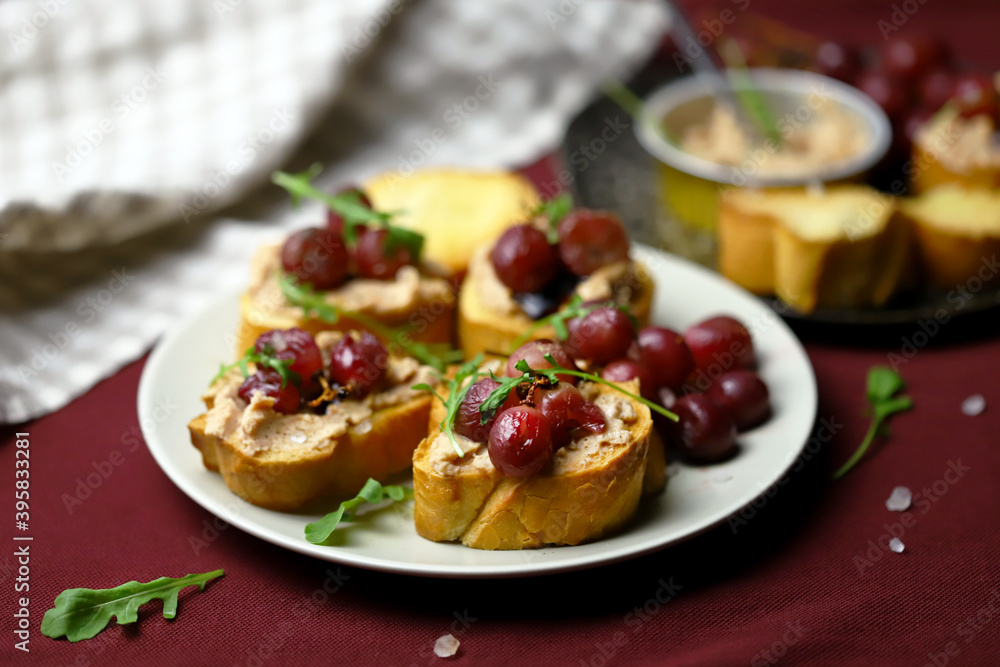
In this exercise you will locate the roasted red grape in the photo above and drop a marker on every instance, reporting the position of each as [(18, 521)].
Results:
[(316, 256), (719, 344), (887, 91), (294, 344), (837, 61), (705, 432), (372, 258), (567, 409), (358, 363), (334, 221), (743, 395), (936, 87), (520, 442), (267, 381), (589, 240), (523, 259), (467, 421), (623, 370), (534, 352), (974, 94), (665, 353), (602, 336), (907, 57)]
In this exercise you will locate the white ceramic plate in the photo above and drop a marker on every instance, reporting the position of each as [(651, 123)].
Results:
[(696, 498)]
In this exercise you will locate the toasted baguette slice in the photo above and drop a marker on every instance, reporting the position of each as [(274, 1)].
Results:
[(284, 462), (423, 305), (952, 149), (482, 327), (592, 488), (958, 233), (456, 211), (845, 247)]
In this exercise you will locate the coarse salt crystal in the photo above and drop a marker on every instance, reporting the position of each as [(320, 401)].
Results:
[(363, 427), (446, 646), (896, 545), (899, 500), (974, 405), (297, 437)]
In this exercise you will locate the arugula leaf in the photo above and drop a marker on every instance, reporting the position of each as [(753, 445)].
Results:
[(488, 407), (81, 613), (350, 207), (883, 384), (283, 366), (318, 532), (457, 389), (554, 210), (574, 308), (436, 355)]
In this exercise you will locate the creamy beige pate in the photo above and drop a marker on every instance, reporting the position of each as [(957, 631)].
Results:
[(256, 426), (375, 297)]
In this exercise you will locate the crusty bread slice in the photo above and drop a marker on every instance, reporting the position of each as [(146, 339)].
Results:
[(844, 247), (482, 328), (285, 461), (456, 211), (592, 488), (952, 149), (957, 231)]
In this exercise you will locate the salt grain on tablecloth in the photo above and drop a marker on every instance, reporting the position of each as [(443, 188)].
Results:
[(446, 646), (896, 545), (974, 405), (899, 500)]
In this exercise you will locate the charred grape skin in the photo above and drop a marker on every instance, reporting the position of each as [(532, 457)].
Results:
[(666, 354), (358, 363), (566, 409), (974, 95), (589, 240), (523, 259), (468, 420), (520, 443), (335, 221), (623, 370), (602, 335), (719, 344), (371, 258), (316, 256), (267, 381), (744, 396), (534, 352), (294, 344), (705, 432)]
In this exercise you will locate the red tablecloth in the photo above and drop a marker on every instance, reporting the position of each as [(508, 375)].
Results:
[(807, 579)]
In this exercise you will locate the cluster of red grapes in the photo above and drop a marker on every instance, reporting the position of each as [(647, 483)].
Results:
[(321, 257), (528, 428), (911, 77), (526, 262), (357, 364)]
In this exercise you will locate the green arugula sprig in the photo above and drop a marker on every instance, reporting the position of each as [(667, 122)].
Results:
[(81, 613), (318, 532), (312, 303), (883, 384), (499, 395), (554, 210), (350, 207), (283, 366), (457, 389), (574, 308)]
